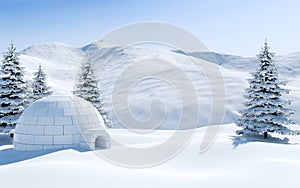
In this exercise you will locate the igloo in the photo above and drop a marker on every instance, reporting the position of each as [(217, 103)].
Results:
[(60, 122)]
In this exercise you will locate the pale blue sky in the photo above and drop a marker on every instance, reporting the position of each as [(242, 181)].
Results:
[(230, 26)]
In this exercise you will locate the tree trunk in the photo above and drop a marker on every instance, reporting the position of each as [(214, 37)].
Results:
[(265, 135)]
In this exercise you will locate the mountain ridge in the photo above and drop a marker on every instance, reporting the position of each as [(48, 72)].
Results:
[(62, 63)]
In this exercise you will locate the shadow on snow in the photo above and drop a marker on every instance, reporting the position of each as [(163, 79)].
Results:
[(240, 140), (10, 155)]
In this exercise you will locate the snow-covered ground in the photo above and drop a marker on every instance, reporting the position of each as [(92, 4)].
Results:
[(61, 63), (228, 163)]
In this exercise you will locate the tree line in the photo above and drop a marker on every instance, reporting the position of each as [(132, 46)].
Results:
[(16, 94), (265, 109)]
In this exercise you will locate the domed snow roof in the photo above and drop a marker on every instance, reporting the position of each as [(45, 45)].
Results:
[(57, 122)]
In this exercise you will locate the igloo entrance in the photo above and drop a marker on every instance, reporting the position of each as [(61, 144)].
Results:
[(101, 142)]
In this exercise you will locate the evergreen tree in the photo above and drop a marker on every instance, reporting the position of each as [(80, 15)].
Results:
[(29, 93), (12, 89), (88, 90), (265, 110), (39, 85)]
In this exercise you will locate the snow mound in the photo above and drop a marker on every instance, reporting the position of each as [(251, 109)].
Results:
[(223, 165)]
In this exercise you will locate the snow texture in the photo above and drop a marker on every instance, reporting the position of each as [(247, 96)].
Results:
[(62, 63), (223, 165)]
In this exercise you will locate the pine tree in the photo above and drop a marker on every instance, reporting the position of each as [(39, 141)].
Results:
[(29, 93), (88, 90), (39, 85), (12, 89), (265, 110)]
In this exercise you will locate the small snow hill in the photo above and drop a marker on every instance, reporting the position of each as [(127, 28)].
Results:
[(255, 164)]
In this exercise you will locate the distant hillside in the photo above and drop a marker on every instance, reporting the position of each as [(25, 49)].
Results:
[(61, 63)]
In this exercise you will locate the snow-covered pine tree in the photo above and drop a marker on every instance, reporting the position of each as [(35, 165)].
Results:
[(29, 93), (39, 85), (12, 89), (87, 88), (265, 110)]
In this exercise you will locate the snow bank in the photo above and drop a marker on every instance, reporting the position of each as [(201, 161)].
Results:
[(223, 165)]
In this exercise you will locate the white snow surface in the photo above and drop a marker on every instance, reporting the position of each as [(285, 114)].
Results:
[(61, 64), (230, 162), (255, 164)]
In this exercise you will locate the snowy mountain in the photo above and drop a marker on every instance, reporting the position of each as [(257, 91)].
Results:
[(61, 64), (59, 61), (231, 160)]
